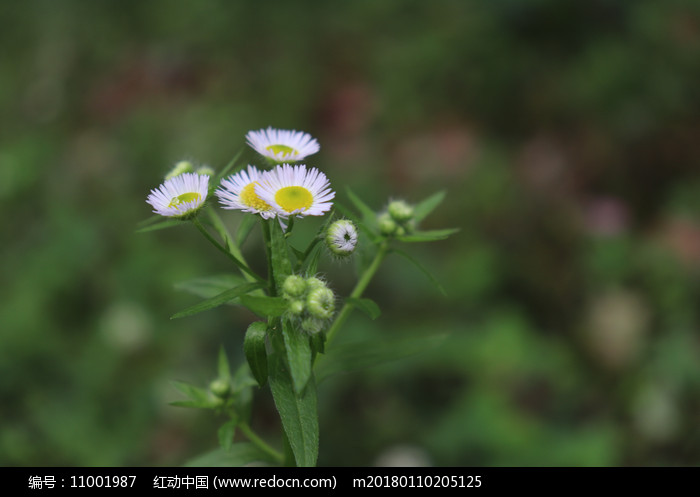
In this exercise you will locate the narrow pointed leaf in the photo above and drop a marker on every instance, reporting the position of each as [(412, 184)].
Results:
[(418, 265), (265, 307), (197, 397), (296, 343), (298, 413), (218, 300), (255, 351), (422, 209), (367, 306), (428, 236), (364, 209), (223, 366), (168, 223), (226, 433), (210, 286)]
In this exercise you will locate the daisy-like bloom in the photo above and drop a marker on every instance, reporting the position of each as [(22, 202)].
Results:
[(180, 196), (281, 145), (341, 238), (238, 191), (294, 190)]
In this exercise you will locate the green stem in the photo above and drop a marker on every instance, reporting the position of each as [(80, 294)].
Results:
[(223, 249), (260, 443), (268, 253), (360, 287)]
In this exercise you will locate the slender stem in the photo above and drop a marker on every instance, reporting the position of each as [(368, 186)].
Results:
[(230, 245), (221, 248), (358, 290), (268, 253), (260, 443)]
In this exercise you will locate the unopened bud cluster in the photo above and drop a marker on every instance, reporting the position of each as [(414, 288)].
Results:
[(397, 220), (310, 301), (185, 166)]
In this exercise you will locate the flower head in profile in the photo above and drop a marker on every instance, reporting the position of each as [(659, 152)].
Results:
[(295, 190), (238, 191), (180, 196), (281, 145)]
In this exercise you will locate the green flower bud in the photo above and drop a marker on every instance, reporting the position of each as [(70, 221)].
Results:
[(341, 238), (296, 307), (314, 283), (312, 326), (205, 170), (294, 287), (400, 211), (387, 226), (321, 303), (181, 167), (220, 388)]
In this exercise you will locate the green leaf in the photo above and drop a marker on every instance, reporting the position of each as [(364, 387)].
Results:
[(367, 306), (242, 385), (226, 433), (168, 223), (318, 344), (255, 352), (311, 264), (247, 224), (296, 343), (228, 167), (265, 307), (427, 206), (362, 355), (210, 286), (198, 397), (428, 236), (220, 299), (239, 454), (223, 366), (298, 412), (413, 261), (281, 266), (367, 213)]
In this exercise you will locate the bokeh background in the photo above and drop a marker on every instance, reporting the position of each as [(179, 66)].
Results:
[(567, 136)]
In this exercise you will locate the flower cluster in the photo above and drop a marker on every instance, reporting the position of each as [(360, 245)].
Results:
[(287, 190)]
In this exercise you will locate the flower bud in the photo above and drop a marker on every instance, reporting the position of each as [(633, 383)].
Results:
[(341, 238), (387, 226), (400, 211), (296, 307), (183, 166), (314, 283), (294, 286), (220, 387), (205, 170), (321, 303)]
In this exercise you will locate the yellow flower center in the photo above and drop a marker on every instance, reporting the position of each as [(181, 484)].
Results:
[(283, 149), (250, 198), (184, 198), (291, 198)]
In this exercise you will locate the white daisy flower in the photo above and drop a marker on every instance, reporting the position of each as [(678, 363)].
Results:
[(341, 238), (294, 190), (281, 145), (238, 192), (180, 196)]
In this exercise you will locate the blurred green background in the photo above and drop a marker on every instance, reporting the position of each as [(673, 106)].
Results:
[(567, 135)]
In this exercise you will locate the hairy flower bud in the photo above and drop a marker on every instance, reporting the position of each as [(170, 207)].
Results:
[(321, 303), (314, 283), (183, 166), (387, 226), (400, 211), (296, 307), (312, 325), (294, 287), (220, 387), (341, 238)]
